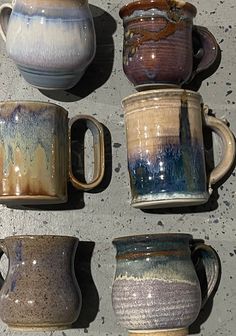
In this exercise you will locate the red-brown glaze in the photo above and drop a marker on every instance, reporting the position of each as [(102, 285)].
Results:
[(158, 51)]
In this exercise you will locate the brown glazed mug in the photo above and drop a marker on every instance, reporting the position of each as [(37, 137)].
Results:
[(35, 152), (158, 43), (40, 291)]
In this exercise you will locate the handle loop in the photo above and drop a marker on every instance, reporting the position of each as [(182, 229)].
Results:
[(99, 153), (229, 149), (208, 51), (5, 12), (207, 268)]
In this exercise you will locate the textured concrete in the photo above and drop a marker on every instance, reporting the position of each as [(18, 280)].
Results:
[(108, 214)]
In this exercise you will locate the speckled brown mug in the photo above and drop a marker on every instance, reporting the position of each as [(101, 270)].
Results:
[(158, 43), (35, 152), (40, 291)]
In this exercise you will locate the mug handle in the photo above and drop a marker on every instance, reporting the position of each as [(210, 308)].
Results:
[(208, 264), (208, 52), (222, 130), (99, 153), (5, 12), (3, 249)]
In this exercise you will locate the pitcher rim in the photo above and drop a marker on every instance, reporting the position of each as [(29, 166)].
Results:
[(152, 236), (39, 236), (129, 8)]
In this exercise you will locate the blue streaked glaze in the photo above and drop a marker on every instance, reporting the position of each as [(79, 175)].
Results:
[(26, 128), (51, 43), (55, 13), (173, 168)]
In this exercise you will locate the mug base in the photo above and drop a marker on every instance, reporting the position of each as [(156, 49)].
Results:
[(158, 86), (50, 80), (154, 203), (167, 332), (33, 328), (31, 200)]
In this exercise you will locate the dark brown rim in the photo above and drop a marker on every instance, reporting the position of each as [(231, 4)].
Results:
[(129, 8), (153, 236)]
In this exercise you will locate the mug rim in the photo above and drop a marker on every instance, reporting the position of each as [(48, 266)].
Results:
[(32, 102), (148, 236), (160, 93), (129, 8)]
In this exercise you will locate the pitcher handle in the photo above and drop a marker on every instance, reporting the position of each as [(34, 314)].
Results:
[(211, 264), (99, 153), (5, 12), (3, 249), (229, 149), (209, 50)]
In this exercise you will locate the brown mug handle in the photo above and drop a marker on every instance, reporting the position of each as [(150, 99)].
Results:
[(219, 126), (5, 12), (99, 153), (208, 52), (210, 261)]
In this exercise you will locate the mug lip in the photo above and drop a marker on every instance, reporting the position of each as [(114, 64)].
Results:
[(160, 93), (33, 102), (161, 236), (129, 8), (38, 236)]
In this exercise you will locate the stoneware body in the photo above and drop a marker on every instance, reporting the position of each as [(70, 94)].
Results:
[(156, 289), (35, 153), (158, 46), (40, 290), (166, 159), (51, 42)]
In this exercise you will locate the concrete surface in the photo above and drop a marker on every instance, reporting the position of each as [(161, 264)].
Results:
[(108, 214)]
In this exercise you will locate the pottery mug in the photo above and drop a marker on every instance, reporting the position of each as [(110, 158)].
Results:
[(35, 152), (40, 291), (158, 43), (166, 159), (51, 42), (156, 290)]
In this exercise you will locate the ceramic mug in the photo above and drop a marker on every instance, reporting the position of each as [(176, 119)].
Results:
[(40, 291), (35, 152), (158, 43), (51, 42), (156, 290), (166, 159)]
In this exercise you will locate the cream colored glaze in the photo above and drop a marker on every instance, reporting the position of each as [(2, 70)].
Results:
[(153, 119)]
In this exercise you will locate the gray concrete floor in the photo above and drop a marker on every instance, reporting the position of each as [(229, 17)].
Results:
[(108, 214)]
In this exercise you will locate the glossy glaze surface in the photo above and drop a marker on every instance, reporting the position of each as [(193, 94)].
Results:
[(33, 152), (40, 290), (155, 286), (52, 43), (166, 159), (165, 146), (157, 42)]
